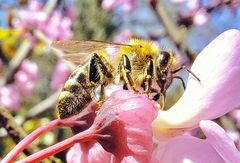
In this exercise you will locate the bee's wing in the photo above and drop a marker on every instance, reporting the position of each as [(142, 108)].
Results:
[(76, 58), (80, 50), (73, 46)]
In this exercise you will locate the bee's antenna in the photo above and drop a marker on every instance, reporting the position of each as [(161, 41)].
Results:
[(183, 84), (185, 68)]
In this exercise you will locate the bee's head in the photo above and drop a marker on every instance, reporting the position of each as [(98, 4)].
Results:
[(164, 60)]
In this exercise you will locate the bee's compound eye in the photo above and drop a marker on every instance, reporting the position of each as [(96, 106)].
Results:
[(164, 58)]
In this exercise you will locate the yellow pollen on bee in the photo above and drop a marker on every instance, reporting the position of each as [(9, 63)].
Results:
[(64, 94)]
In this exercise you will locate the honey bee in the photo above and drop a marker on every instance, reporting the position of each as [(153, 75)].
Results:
[(138, 63)]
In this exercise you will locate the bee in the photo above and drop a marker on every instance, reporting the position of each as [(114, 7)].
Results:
[(138, 63)]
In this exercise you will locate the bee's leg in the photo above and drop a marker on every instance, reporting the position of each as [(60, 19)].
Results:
[(94, 71), (147, 83), (125, 87), (125, 71), (183, 84), (185, 68), (98, 74), (98, 69), (163, 99), (105, 67), (157, 97), (99, 94)]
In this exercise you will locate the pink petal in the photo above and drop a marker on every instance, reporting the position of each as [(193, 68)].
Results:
[(221, 142), (177, 1), (88, 152), (201, 17), (109, 4), (9, 97), (23, 83), (128, 118), (26, 77), (185, 149), (129, 5), (235, 116), (192, 5), (218, 67), (125, 118), (60, 75), (123, 36), (34, 5), (30, 68)]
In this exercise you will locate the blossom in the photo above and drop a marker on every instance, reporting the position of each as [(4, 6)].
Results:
[(123, 36), (201, 17), (59, 75), (202, 100), (128, 119), (37, 19), (26, 77), (218, 68), (235, 116), (87, 152), (24, 81), (217, 147), (128, 5), (59, 26), (122, 129), (10, 97), (192, 5), (177, 1), (55, 26)]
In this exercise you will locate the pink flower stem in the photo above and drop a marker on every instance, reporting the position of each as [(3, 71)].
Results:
[(38, 132), (84, 136)]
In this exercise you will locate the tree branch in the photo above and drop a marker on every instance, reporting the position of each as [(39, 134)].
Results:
[(176, 34), (14, 131)]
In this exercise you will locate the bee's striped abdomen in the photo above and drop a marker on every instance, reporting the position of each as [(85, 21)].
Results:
[(75, 95)]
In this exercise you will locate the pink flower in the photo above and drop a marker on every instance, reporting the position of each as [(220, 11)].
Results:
[(218, 147), (124, 129), (37, 17), (192, 5), (200, 17), (9, 97), (218, 67), (34, 5), (59, 27), (233, 134), (127, 118), (24, 82), (88, 152), (26, 77), (56, 26), (30, 68), (177, 1), (235, 116), (202, 100), (109, 5), (123, 36), (220, 141), (128, 5), (59, 75)]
